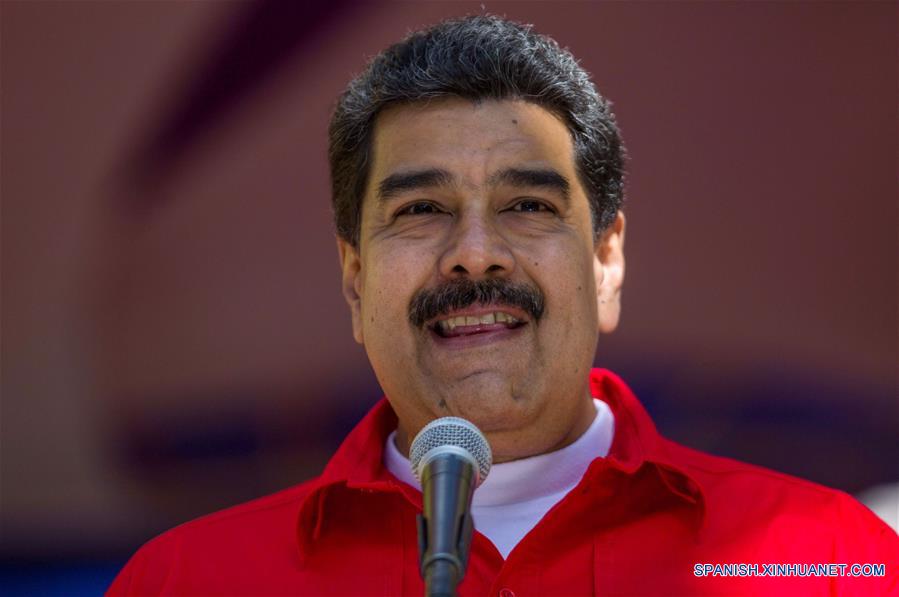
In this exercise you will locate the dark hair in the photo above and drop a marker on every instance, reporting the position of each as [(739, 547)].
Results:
[(476, 58)]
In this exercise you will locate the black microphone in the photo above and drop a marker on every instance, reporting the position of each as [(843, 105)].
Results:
[(451, 458)]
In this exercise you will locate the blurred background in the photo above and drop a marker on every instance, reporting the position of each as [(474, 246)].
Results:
[(174, 339)]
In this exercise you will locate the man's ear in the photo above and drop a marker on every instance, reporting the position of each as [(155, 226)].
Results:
[(608, 268), (351, 284)]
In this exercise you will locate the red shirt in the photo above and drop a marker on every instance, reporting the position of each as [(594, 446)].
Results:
[(647, 519)]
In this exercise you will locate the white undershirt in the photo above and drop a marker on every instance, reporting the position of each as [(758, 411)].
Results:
[(517, 494)]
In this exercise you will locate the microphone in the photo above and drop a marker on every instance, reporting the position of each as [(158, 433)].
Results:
[(451, 458)]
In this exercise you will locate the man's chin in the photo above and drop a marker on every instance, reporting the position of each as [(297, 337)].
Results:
[(488, 401)]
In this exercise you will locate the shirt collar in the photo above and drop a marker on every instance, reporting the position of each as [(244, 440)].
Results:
[(357, 464), (637, 442), (531, 478)]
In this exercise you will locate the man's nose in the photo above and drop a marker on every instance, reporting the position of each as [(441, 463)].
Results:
[(476, 249)]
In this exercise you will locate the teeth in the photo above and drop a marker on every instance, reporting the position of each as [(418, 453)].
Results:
[(487, 319)]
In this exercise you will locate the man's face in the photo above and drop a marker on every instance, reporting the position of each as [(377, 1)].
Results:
[(486, 196)]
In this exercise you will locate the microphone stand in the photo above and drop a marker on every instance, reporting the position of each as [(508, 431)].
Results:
[(445, 526)]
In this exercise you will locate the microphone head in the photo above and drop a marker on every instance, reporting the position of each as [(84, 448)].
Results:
[(451, 434)]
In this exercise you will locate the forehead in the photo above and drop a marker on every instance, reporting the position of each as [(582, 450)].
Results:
[(469, 139)]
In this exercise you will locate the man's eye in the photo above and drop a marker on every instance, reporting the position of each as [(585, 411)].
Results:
[(418, 209), (532, 206)]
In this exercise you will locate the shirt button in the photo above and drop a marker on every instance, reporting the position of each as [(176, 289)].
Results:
[(506, 593)]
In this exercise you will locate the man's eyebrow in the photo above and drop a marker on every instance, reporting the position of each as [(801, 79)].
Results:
[(416, 179), (532, 177)]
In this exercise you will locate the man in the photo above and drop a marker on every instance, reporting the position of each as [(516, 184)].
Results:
[(477, 193)]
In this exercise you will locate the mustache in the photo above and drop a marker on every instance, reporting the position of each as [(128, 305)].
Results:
[(429, 303)]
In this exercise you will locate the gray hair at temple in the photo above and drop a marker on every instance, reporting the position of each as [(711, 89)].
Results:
[(476, 58)]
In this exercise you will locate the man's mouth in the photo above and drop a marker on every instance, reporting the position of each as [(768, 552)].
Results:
[(454, 326)]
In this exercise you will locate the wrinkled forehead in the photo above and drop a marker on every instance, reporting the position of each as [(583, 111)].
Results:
[(471, 140)]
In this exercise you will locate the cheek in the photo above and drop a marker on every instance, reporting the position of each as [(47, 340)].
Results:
[(580, 315), (583, 296), (376, 313), (390, 281), (567, 276)]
